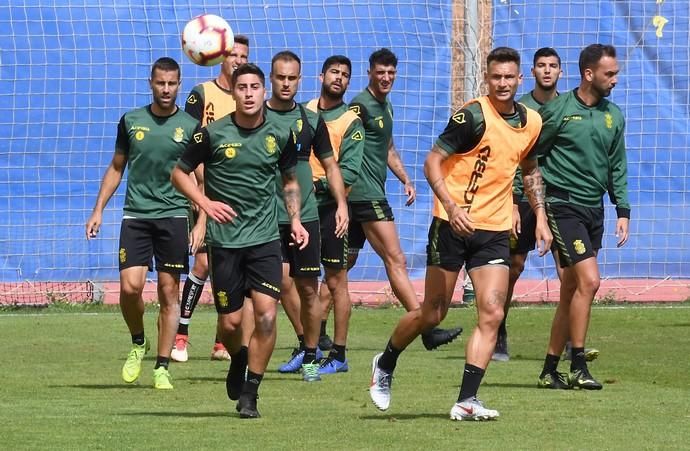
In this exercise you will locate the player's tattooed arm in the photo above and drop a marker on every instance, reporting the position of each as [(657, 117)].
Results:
[(396, 165), (533, 183), (291, 194)]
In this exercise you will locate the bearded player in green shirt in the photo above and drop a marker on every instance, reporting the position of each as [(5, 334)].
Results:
[(582, 156), (155, 223), (242, 153)]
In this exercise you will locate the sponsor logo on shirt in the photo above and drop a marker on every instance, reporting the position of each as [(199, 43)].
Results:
[(191, 99), (357, 136), (477, 174)]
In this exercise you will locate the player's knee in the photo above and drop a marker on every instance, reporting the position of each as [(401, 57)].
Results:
[(265, 322), (129, 288), (395, 258), (516, 269), (230, 324), (589, 285)]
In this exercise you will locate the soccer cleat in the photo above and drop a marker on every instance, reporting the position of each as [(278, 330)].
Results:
[(246, 406), (380, 388), (332, 366), (132, 367), (219, 352), (472, 409), (294, 365), (325, 343), (501, 350), (310, 372), (436, 337), (555, 380), (468, 297), (161, 379), (235, 380), (179, 350), (580, 378), (590, 353)]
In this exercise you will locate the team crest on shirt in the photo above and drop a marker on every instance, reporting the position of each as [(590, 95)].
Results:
[(299, 125), (123, 255), (178, 136), (271, 144), (579, 247), (222, 297), (139, 135), (379, 119), (191, 99), (608, 120)]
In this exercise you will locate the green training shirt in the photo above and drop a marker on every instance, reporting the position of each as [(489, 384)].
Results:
[(152, 145), (349, 154), (312, 135), (518, 188), (240, 170), (377, 118), (582, 153)]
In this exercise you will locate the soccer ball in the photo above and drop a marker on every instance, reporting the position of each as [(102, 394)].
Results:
[(207, 40)]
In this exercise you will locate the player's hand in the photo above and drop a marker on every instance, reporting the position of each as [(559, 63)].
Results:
[(342, 220), (219, 212), (622, 231), (410, 193), (460, 221), (300, 236), (517, 222), (93, 225), (544, 237), (196, 236)]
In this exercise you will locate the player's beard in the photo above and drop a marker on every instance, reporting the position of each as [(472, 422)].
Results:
[(336, 97)]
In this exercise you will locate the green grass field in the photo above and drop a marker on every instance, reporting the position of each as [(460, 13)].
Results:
[(61, 389)]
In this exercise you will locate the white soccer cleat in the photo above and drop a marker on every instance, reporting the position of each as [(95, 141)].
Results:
[(179, 351), (472, 409), (380, 388)]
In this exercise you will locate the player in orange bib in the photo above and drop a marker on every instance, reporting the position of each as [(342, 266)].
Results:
[(471, 169)]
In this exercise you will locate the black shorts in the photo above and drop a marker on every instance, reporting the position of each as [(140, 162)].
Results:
[(166, 239), (577, 231), (333, 249), (450, 251), (526, 241), (234, 272), (366, 211), (305, 262)]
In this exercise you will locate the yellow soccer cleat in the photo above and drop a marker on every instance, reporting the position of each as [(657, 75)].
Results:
[(161, 379), (132, 367)]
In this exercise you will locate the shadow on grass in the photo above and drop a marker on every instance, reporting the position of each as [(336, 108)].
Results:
[(517, 358), (103, 386), (510, 385), (183, 415), (403, 416)]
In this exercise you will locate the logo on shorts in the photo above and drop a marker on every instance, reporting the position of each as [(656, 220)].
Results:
[(496, 261), (608, 119), (179, 135), (123, 255), (222, 297), (271, 144), (270, 287), (579, 247), (513, 242)]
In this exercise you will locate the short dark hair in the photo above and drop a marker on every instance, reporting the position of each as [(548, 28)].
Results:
[(241, 39), (384, 57), (286, 55), (592, 54), (503, 55), (248, 68), (165, 64), (336, 59), (545, 52)]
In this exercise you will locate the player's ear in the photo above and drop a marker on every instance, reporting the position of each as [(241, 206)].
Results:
[(321, 77), (520, 78)]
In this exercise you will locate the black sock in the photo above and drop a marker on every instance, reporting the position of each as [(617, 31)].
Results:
[(471, 378), (139, 339), (550, 364), (240, 358), (309, 355), (323, 328), (251, 385), (578, 359), (162, 362), (502, 331), (218, 340), (300, 339), (337, 353), (389, 358), (183, 329), (191, 293)]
